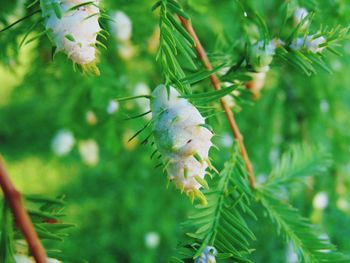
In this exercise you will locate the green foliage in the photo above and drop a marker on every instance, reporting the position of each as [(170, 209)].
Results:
[(221, 224), (174, 42), (309, 243), (294, 166), (6, 234), (46, 215), (307, 240), (119, 202), (306, 60)]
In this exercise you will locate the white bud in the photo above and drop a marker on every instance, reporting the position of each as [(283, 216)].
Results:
[(121, 26), (181, 138), (291, 255), (299, 14), (76, 31), (152, 240), (89, 152), (63, 142), (320, 201), (226, 140), (208, 255), (112, 106), (324, 106), (309, 43), (257, 83), (313, 44), (262, 54), (261, 178)]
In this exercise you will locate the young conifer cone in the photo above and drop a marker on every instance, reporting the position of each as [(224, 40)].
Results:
[(262, 55), (181, 139), (73, 27)]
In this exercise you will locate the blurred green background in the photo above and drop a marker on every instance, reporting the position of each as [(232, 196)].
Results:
[(121, 207)]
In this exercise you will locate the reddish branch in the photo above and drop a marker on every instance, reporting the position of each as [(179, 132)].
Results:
[(22, 219), (216, 84)]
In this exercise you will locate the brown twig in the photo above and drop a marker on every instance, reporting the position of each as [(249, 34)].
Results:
[(22, 219), (216, 84)]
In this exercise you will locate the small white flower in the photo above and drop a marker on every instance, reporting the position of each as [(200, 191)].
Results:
[(262, 55), (313, 44), (113, 106), (320, 201), (257, 83), (324, 106), (226, 140), (89, 152), (299, 14), (121, 26), (208, 255), (152, 240), (309, 43), (63, 142), (261, 178), (291, 256), (298, 43)]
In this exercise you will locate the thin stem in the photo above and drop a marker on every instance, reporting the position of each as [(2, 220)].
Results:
[(216, 84), (134, 97), (22, 219), (20, 20)]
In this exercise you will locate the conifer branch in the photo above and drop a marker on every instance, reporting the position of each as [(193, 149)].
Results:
[(222, 223), (216, 84), (22, 219)]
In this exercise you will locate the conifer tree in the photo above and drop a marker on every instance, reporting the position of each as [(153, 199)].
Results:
[(241, 105)]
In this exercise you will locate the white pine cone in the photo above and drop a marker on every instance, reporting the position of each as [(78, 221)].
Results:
[(181, 138), (75, 32)]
